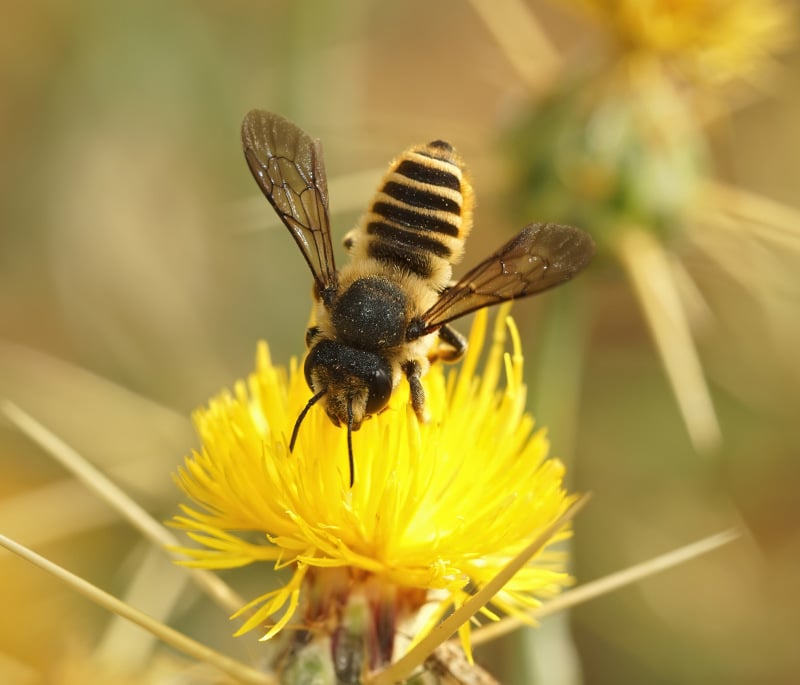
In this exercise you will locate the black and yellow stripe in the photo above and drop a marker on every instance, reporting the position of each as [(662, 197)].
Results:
[(421, 214)]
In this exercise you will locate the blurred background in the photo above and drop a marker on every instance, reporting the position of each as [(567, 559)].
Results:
[(139, 265)]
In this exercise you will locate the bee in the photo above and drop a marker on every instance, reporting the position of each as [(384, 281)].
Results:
[(386, 314)]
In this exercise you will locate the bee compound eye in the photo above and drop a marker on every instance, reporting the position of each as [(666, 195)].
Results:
[(310, 363), (380, 389), (322, 361)]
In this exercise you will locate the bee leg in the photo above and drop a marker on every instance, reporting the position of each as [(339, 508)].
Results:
[(457, 345), (412, 370)]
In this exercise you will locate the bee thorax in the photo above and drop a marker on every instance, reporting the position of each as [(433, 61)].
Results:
[(371, 314)]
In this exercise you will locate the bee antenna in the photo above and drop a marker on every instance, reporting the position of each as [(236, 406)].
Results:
[(350, 439), (316, 398)]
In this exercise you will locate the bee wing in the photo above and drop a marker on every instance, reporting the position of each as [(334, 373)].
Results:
[(540, 257), (287, 165)]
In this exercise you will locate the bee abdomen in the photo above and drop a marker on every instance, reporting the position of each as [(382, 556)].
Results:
[(419, 197), (421, 213)]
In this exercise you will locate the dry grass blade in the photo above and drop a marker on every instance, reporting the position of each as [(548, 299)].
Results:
[(698, 310), (156, 588), (170, 636), (522, 40), (416, 656), (77, 513), (136, 515), (755, 241), (648, 267), (607, 584), (45, 385), (766, 218)]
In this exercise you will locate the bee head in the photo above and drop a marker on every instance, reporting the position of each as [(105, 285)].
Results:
[(356, 383)]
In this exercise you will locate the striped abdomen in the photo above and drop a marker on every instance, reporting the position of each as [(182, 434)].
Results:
[(420, 216)]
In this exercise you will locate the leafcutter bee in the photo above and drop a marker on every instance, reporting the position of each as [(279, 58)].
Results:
[(386, 313)]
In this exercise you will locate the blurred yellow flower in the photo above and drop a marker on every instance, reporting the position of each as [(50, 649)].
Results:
[(435, 512), (620, 148), (708, 40)]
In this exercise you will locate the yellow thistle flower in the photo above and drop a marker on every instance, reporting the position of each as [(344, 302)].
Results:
[(435, 512), (709, 40)]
